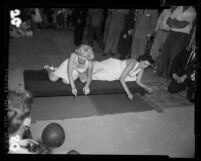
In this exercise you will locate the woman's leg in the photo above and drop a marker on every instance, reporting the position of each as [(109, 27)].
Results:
[(51, 74)]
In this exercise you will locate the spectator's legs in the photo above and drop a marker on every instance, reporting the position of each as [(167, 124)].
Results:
[(179, 43), (175, 87), (97, 31), (163, 59)]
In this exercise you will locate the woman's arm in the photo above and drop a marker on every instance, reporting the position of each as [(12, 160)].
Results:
[(139, 82), (89, 74), (128, 68), (70, 70)]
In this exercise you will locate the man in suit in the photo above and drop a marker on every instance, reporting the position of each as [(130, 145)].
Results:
[(144, 27), (161, 32), (125, 39), (94, 27), (183, 72), (79, 22), (113, 30)]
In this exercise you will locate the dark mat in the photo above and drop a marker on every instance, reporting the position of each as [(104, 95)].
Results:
[(63, 107), (59, 108), (37, 82), (118, 103)]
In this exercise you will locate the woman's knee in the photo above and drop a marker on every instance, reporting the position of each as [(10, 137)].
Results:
[(53, 78), (65, 81)]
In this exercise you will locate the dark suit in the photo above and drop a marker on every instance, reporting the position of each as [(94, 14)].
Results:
[(145, 24), (94, 26), (183, 65), (124, 45), (79, 16)]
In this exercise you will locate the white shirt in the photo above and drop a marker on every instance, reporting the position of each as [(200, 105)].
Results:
[(161, 23), (188, 15)]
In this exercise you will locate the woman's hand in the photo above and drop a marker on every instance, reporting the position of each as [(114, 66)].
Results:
[(130, 96), (74, 91), (149, 90), (86, 90)]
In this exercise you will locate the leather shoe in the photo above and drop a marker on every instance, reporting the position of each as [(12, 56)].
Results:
[(121, 58), (105, 54)]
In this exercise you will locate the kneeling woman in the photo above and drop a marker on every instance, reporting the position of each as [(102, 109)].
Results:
[(124, 70), (79, 65)]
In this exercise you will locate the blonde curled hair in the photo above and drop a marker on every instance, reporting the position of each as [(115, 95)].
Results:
[(85, 51)]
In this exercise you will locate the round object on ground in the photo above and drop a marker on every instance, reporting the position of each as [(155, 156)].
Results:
[(53, 135)]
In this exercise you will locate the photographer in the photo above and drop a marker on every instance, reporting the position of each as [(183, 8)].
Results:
[(19, 108)]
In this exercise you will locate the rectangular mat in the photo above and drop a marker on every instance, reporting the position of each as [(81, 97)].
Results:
[(62, 107), (59, 108), (118, 103)]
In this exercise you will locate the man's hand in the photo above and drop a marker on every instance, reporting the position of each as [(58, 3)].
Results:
[(181, 79), (124, 36), (130, 32), (193, 76), (175, 77), (25, 142)]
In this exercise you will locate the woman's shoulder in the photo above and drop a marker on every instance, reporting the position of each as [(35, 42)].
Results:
[(132, 61), (89, 63), (73, 55)]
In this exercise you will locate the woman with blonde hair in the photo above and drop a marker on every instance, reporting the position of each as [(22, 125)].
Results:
[(79, 65)]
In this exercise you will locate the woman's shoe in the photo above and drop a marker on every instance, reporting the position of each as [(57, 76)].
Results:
[(47, 67)]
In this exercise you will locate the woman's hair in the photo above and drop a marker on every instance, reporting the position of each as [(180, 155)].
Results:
[(146, 58), (19, 107), (85, 51)]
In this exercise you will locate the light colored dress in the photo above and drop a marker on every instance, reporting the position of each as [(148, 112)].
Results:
[(62, 73), (111, 69)]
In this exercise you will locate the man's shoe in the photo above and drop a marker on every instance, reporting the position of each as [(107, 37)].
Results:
[(105, 54), (113, 54), (122, 58), (192, 100)]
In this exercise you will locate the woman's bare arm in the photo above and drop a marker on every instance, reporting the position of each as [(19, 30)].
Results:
[(89, 74), (70, 70), (128, 68), (139, 82)]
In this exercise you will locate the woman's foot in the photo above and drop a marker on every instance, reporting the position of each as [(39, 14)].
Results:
[(48, 68)]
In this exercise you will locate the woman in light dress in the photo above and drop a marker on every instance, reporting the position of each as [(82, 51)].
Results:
[(123, 70)]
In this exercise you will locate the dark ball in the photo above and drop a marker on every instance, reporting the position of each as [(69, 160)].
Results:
[(53, 135)]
